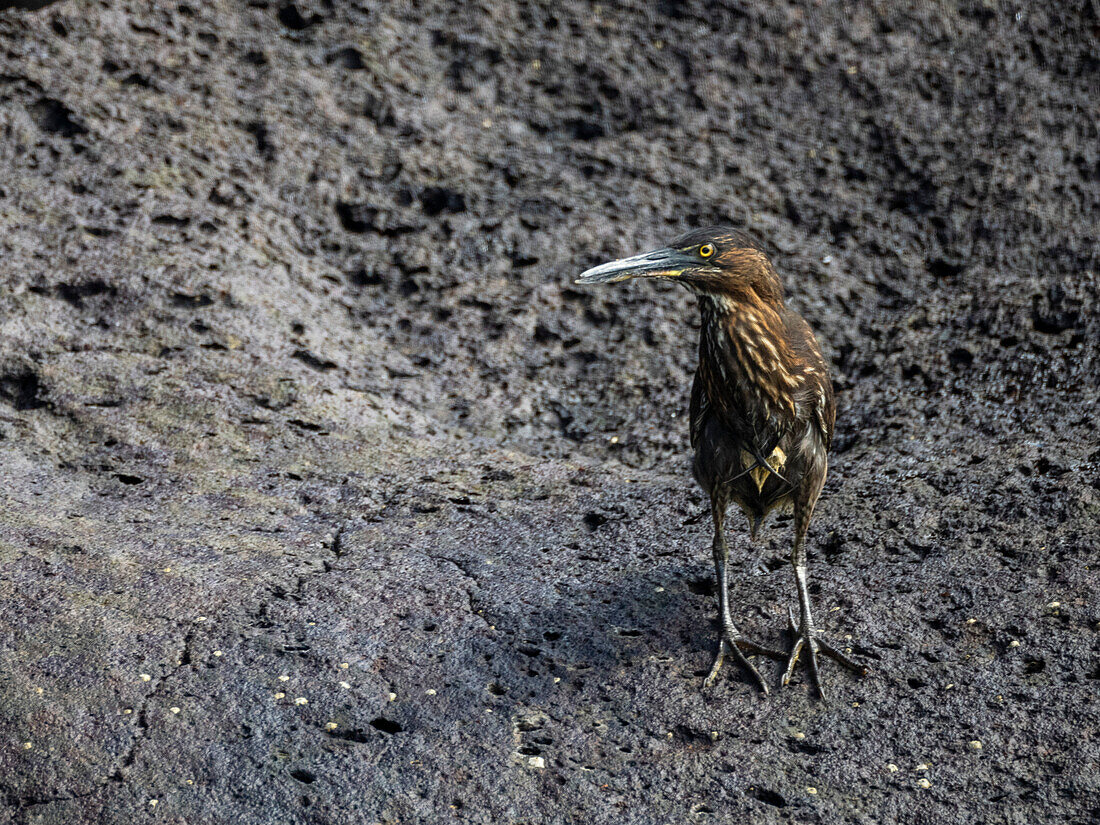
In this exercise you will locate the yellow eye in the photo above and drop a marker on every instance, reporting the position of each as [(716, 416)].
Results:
[(706, 250)]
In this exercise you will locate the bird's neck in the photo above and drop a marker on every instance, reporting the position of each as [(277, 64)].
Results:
[(743, 348)]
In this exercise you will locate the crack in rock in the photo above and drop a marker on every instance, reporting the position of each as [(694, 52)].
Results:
[(184, 659), (466, 574)]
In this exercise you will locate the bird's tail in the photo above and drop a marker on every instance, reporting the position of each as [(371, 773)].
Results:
[(754, 526)]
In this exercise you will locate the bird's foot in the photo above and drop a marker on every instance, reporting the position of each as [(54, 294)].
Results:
[(803, 638), (740, 647)]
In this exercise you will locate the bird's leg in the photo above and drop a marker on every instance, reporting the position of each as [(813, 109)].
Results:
[(731, 640), (803, 633)]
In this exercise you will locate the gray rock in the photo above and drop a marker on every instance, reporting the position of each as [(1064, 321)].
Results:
[(327, 497)]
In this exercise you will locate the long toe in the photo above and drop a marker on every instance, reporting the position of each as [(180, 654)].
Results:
[(807, 643), (751, 648), (815, 673), (738, 646), (751, 668), (842, 658), (721, 657)]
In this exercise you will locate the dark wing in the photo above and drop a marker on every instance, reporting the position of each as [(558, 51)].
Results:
[(825, 409), (818, 392), (699, 410)]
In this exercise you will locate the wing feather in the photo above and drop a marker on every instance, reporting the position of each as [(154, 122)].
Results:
[(699, 410)]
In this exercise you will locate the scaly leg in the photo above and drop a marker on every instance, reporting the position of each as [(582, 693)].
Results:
[(803, 634), (731, 640)]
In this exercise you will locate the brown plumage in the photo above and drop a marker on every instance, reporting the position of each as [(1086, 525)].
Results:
[(762, 411)]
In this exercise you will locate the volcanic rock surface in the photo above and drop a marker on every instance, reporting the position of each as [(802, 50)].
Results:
[(326, 496)]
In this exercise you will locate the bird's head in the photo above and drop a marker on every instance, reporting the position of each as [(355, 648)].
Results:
[(714, 261)]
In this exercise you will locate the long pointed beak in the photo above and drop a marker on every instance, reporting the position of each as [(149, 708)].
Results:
[(661, 263)]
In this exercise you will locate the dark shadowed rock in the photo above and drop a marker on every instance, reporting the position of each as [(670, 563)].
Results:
[(26, 5)]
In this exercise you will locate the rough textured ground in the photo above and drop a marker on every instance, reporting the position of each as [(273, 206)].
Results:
[(326, 497)]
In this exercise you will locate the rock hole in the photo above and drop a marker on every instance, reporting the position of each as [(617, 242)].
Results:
[(292, 18), (832, 546), (593, 521), (303, 776), (137, 79), (701, 586), (361, 277), (54, 117), (182, 299), (437, 199), (262, 136), (585, 130), (355, 217), (776, 563), (22, 390), (76, 293), (806, 747), (961, 357), (386, 725), (312, 361), (1033, 665), (768, 797), (171, 220), (354, 735), (347, 58), (943, 269)]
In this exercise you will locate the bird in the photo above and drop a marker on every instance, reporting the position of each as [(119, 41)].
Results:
[(762, 416)]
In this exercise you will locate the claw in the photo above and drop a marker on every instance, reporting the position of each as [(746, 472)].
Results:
[(804, 638), (739, 646), (721, 657), (792, 661)]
